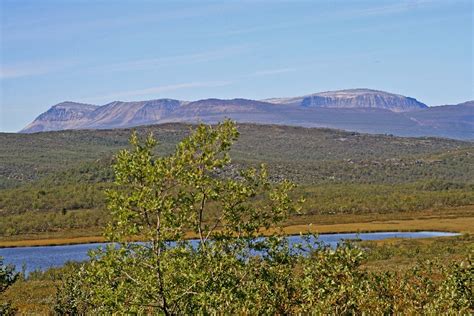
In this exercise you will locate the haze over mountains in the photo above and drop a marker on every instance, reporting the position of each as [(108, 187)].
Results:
[(361, 110)]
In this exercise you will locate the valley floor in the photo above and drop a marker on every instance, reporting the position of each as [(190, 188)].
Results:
[(37, 294), (52, 184), (458, 219)]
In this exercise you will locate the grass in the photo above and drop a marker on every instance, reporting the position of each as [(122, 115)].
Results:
[(459, 219), (53, 183), (32, 297), (36, 295), (461, 224), (51, 190), (52, 241), (324, 203), (400, 254)]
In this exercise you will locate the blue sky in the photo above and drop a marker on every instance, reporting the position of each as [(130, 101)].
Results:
[(100, 51)]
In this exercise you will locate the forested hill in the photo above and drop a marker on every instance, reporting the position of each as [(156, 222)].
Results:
[(54, 182), (304, 154)]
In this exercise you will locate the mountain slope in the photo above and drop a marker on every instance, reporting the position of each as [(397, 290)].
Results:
[(454, 121), (124, 114), (355, 98), (65, 115), (360, 110)]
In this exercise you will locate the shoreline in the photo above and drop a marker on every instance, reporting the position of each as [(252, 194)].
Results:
[(456, 225)]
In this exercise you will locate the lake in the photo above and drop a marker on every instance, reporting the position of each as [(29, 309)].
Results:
[(54, 256)]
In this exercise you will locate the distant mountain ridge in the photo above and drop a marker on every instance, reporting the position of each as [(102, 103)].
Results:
[(361, 110), (355, 98)]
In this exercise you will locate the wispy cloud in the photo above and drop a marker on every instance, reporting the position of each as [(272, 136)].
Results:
[(185, 59), (269, 72), (27, 69), (36, 68), (69, 22), (258, 28), (383, 8), (393, 8), (157, 90)]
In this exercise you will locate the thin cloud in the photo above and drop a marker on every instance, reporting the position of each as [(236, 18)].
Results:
[(69, 23), (27, 69), (257, 28), (393, 8), (270, 72), (384, 9), (173, 60), (159, 89)]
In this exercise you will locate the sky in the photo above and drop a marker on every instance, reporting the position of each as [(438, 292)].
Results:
[(100, 51)]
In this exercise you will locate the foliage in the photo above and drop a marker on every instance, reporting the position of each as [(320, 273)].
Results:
[(7, 278), (231, 267), (326, 282), (394, 258), (162, 198), (68, 208), (35, 293), (395, 254), (47, 222), (307, 155), (56, 179)]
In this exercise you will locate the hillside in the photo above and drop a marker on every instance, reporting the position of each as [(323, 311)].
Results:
[(54, 182), (361, 110), (26, 157)]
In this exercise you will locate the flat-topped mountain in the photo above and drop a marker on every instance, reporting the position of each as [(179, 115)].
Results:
[(65, 115), (355, 98), (361, 110), (72, 115)]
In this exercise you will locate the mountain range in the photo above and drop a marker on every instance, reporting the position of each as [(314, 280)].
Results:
[(361, 110)]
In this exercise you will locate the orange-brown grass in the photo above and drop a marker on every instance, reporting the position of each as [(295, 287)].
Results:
[(31, 297), (51, 241), (345, 218), (399, 254), (461, 224), (313, 224)]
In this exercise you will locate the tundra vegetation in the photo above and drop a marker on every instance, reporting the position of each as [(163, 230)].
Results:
[(8, 276), (231, 267), (52, 184), (161, 196)]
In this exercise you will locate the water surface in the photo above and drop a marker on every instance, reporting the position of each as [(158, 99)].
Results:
[(42, 258)]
